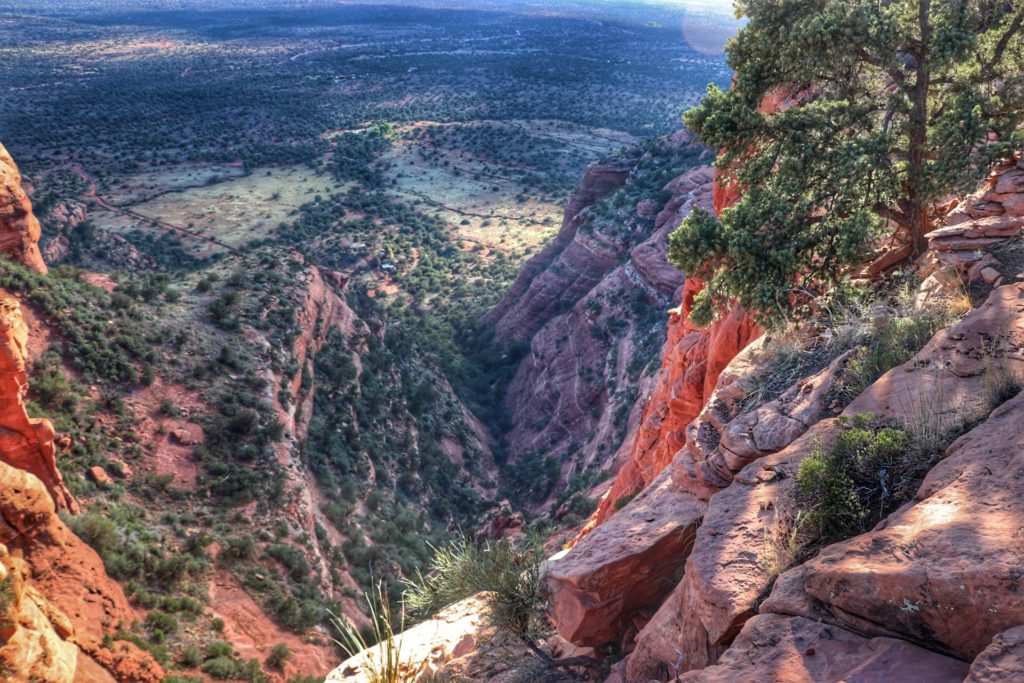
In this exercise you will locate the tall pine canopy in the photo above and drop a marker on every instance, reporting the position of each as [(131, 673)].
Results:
[(900, 104)]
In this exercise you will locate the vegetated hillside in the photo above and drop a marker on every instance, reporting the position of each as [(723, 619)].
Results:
[(247, 450), (259, 339)]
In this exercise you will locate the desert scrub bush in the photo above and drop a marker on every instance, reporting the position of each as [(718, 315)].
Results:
[(279, 654), (873, 465)]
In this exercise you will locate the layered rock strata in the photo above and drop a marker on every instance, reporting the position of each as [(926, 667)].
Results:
[(19, 227), (729, 573), (584, 306), (26, 443)]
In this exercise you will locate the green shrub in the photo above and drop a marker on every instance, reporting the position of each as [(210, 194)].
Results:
[(507, 573), (162, 621), (223, 668), (219, 648), (97, 531), (191, 657), (624, 501), (278, 655), (873, 465)]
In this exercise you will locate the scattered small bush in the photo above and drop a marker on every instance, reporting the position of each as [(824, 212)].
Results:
[(508, 574), (279, 654)]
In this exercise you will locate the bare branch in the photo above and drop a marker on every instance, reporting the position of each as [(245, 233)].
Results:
[(1004, 42)]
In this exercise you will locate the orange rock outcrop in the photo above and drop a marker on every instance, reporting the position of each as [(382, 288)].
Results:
[(26, 443), (32, 632), (691, 363), (19, 228), (65, 581), (949, 533), (63, 602)]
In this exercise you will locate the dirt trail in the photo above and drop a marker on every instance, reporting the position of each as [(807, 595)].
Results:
[(103, 203)]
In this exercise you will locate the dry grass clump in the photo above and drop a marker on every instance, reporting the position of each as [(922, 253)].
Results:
[(785, 539), (787, 357), (1003, 380), (383, 661)]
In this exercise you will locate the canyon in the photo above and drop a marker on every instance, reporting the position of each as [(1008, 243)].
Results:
[(675, 568), (253, 386), (670, 567)]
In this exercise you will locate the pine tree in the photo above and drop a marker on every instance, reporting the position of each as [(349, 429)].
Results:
[(900, 104)]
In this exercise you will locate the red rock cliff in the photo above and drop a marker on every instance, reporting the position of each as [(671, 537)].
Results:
[(691, 363), (25, 442), (65, 600), (590, 304), (19, 228)]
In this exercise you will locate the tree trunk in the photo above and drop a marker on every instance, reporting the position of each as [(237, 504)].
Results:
[(917, 191)]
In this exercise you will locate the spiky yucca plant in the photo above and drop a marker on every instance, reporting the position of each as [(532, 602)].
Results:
[(383, 661)]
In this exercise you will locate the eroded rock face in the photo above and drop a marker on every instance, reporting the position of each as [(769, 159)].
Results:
[(1002, 660), (583, 305), (26, 443), (536, 294), (34, 636), (773, 648), (593, 602), (945, 572), (692, 361), (19, 228), (728, 572), (70, 576), (691, 364)]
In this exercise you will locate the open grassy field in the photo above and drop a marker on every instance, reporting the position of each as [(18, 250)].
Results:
[(134, 188), (232, 211), (500, 185)]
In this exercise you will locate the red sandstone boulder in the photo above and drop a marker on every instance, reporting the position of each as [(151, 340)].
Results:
[(727, 572), (947, 379), (69, 575), (947, 571), (453, 633), (35, 637), (1002, 660), (626, 565), (777, 649), (100, 476)]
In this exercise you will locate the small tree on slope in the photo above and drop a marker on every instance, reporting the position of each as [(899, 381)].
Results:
[(902, 102)]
